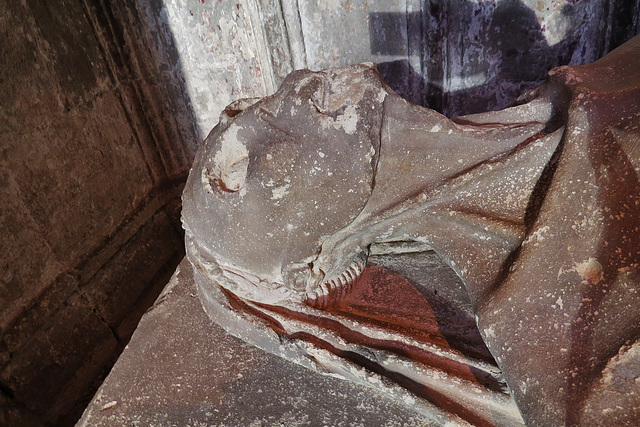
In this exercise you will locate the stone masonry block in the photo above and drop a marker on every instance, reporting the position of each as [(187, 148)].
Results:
[(115, 289), (47, 374)]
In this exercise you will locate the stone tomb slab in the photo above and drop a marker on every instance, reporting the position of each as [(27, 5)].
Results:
[(182, 369)]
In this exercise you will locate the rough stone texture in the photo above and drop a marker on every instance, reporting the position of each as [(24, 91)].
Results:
[(535, 207), (224, 53), (96, 137), (136, 264), (456, 56), (180, 368), (96, 130), (72, 350), (463, 56), (570, 298)]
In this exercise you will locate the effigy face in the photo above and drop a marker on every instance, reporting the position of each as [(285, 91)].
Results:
[(536, 208), (285, 173)]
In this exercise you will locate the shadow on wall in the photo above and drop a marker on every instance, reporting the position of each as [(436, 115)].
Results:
[(467, 57)]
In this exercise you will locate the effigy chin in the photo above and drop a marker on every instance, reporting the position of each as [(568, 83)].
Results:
[(483, 270)]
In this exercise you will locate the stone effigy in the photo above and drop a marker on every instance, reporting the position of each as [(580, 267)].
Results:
[(536, 208)]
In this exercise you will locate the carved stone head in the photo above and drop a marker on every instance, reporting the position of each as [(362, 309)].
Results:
[(277, 177)]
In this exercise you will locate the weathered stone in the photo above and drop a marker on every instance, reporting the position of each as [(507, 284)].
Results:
[(61, 359), (536, 208), (13, 415), (455, 56), (180, 368), (114, 291), (301, 162), (35, 318), (96, 137), (95, 116)]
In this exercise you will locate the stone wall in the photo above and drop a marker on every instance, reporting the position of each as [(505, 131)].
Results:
[(463, 56), (96, 139), (456, 56)]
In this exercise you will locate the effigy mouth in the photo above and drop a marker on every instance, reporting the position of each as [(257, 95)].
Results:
[(334, 290)]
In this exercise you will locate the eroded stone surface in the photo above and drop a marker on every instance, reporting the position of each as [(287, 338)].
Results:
[(182, 369), (96, 139), (536, 208)]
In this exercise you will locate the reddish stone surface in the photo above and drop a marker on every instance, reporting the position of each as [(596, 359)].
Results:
[(383, 296)]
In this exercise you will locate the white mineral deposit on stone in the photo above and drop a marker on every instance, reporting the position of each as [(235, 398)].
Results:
[(590, 270), (280, 192), (109, 405), (231, 160)]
